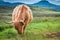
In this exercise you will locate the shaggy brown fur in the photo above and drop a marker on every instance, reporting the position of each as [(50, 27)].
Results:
[(22, 15)]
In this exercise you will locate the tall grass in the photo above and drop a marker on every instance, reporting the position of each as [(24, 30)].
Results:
[(34, 31)]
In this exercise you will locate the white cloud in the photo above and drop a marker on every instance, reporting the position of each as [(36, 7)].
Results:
[(56, 2), (23, 1)]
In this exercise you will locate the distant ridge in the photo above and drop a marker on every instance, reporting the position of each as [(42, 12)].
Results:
[(2, 3), (43, 4), (46, 4)]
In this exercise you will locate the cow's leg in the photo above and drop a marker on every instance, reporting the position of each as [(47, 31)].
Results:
[(26, 22), (24, 28)]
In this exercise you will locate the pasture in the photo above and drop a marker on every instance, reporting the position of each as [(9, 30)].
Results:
[(41, 28)]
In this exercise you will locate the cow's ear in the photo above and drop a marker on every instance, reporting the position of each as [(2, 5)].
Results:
[(22, 22)]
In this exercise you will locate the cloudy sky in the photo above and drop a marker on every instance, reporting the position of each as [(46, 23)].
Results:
[(23, 1), (56, 2)]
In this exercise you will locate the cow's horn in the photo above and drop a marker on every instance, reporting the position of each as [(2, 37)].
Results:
[(9, 22)]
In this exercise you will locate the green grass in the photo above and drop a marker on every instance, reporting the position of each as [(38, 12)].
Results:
[(37, 11), (34, 31)]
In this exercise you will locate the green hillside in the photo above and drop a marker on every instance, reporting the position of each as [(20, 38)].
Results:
[(44, 26), (37, 11), (43, 9)]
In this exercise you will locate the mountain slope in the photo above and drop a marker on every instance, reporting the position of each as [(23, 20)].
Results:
[(43, 3), (2, 3), (46, 4)]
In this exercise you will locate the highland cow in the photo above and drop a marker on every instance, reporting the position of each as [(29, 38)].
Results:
[(22, 15)]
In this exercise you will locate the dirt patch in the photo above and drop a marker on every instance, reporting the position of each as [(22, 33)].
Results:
[(52, 35)]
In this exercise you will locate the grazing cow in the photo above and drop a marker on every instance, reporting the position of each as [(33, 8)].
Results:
[(22, 15)]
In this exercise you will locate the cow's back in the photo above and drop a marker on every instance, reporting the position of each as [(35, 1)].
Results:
[(22, 14), (16, 13)]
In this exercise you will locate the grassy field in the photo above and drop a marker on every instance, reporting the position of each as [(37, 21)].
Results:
[(41, 28), (36, 30)]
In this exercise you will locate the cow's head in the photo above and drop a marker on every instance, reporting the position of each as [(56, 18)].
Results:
[(19, 26)]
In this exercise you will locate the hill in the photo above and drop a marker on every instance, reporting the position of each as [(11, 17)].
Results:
[(46, 4), (2, 3), (37, 11), (43, 4)]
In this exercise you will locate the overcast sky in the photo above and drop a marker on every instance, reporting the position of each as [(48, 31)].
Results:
[(23, 1), (56, 2)]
